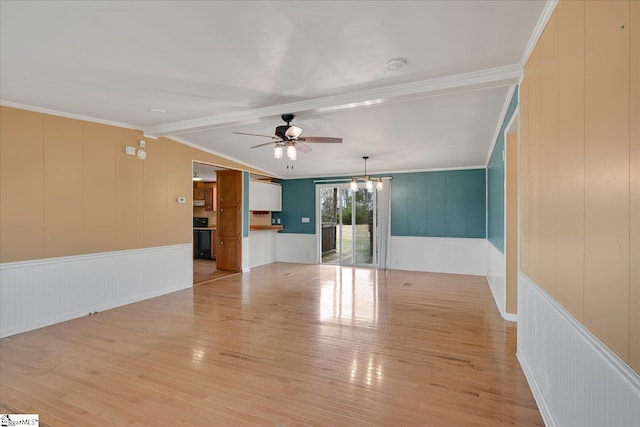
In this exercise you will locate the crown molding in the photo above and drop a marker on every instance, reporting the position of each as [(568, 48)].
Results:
[(537, 31), (494, 77), (67, 115), (501, 118), (385, 173)]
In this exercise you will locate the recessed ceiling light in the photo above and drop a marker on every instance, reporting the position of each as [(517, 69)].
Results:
[(157, 110), (396, 64)]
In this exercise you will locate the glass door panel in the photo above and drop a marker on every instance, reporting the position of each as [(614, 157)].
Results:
[(363, 226), (331, 213), (348, 224)]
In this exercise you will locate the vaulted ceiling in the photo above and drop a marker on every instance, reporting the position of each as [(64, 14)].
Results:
[(220, 67)]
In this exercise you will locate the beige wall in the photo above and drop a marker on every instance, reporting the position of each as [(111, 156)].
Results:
[(67, 188), (511, 218), (580, 155)]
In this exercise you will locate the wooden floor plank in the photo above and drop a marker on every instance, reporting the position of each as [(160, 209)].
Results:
[(284, 345)]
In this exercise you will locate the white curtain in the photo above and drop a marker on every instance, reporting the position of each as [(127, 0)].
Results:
[(384, 224)]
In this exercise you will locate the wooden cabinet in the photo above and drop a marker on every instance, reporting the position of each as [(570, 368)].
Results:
[(210, 198), (230, 186), (265, 196), (214, 243), (228, 251), (198, 191), (229, 220)]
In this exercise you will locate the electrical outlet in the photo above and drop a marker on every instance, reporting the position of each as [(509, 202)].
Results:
[(305, 219), (130, 151), (142, 143)]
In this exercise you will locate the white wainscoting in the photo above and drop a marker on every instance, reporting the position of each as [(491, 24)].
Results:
[(439, 254), (42, 292), (496, 277), (246, 250), (262, 248), (294, 247), (575, 378)]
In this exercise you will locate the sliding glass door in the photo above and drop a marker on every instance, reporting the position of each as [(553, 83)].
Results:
[(347, 235)]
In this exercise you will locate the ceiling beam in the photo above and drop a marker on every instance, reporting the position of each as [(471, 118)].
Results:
[(494, 77)]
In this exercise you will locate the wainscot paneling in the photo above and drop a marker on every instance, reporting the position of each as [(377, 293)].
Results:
[(439, 255), (496, 277), (262, 248), (300, 248), (575, 378), (42, 292)]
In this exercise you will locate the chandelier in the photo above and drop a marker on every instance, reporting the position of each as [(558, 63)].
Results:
[(368, 182)]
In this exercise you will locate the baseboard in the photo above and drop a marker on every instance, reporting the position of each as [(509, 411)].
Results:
[(511, 317), (547, 417)]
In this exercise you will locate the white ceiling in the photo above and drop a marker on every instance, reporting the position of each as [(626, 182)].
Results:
[(219, 67)]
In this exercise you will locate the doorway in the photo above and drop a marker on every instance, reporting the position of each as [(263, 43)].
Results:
[(206, 256), (348, 223)]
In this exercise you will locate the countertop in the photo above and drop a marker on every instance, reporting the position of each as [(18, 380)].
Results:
[(204, 228), (265, 227)]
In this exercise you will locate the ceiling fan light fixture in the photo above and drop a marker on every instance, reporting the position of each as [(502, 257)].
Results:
[(196, 177), (293, 132), (291, 152), (278, 152)]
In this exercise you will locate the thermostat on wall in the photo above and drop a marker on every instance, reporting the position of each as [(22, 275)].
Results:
[(181, 199)]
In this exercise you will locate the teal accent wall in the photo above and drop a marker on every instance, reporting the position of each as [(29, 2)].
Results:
[(439, 204), (245, 204), (495, 183), (298, 200), (429, 204)]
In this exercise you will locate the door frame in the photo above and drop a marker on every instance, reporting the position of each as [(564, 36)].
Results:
[(374, 242)]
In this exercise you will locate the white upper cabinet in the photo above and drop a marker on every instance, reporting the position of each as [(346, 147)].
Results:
[(265, 196)]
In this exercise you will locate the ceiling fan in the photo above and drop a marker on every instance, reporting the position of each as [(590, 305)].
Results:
[(288, 136)]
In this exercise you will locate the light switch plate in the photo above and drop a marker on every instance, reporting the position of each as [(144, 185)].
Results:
[(305, 219), (130, 151)]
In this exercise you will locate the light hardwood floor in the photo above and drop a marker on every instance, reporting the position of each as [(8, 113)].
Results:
[(284, 345), (205, 270)]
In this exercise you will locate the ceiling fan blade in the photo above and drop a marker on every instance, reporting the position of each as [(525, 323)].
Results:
[(254, 134), (262, 145), (321, 139), (302, 147)]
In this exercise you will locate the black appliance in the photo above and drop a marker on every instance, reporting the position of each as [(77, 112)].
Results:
[(200, 222), (201, 239)]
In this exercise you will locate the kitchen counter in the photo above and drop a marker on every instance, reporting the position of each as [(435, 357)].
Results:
[(265, 227), (204, 228)]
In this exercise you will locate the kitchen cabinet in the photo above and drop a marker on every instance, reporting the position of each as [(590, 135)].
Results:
[(214, 242), (210, 198), (229, 220), (198, 191), (265, 196), (230, 186)]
